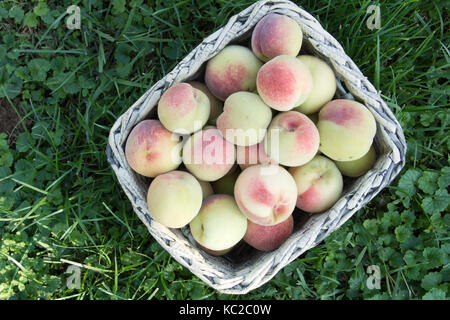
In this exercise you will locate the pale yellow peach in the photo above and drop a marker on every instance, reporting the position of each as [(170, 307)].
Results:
[(346, 129), (214, 252), (220, 224), (174, 198), (183, 109), (244, 119), (359, 166), (324, 84)]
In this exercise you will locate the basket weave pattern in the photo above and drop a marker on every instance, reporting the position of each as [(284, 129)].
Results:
[(238, 277)]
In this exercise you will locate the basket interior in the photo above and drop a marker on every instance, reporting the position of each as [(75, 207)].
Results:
[(242, 255)]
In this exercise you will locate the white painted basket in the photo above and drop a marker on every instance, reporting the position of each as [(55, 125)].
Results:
[(245, 269)]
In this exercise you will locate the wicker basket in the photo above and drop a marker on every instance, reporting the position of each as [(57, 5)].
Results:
[(244, 269)]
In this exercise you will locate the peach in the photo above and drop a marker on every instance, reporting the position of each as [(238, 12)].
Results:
[(233, 69), (183, 109), (268, 238), (215, 104), (276, 35), (358, 167), (319, 184), (284, 83), (314, 117), (151, 149), (266, 194), (174, 198), (207, 189), (207, 155), (214, 252), (220, 224), (251, 155), (324, 84), (244, 119), (225, 185), (292, 139), (346, 129)]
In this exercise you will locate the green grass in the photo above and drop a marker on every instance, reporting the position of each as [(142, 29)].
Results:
[(60, 202)]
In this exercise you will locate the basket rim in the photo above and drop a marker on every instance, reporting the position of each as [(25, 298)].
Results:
[(241, 281)]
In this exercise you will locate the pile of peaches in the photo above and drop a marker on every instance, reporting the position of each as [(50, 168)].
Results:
[(233, 156)]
